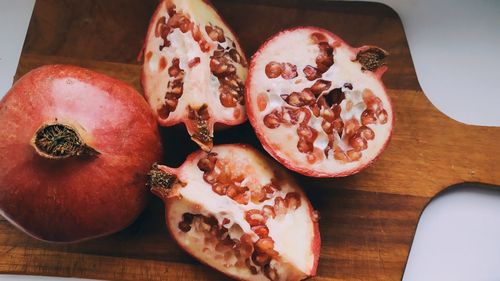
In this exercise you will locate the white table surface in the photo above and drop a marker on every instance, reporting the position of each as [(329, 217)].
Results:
[(455, 48)]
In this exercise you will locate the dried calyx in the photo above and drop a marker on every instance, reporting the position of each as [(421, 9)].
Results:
[(247, 237), (59, 141)]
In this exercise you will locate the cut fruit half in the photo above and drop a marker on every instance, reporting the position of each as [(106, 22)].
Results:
[(318, 105), (240, 213), (194, 69)]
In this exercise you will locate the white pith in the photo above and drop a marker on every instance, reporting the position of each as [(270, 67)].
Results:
[(200, 85), (283, 140), (292, 233)]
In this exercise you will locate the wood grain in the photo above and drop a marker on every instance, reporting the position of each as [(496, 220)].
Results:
[(367, 220)]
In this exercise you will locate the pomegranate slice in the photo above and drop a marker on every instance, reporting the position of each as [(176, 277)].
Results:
[(319, 107), (194, 69), (240, 213)]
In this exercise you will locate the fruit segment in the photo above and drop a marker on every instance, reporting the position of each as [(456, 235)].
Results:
[(318, 105), (194, 69), (240, 213)]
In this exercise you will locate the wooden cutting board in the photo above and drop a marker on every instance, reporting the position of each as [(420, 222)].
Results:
[(367, 220)]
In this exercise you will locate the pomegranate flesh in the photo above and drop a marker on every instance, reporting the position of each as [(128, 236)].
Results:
[(318, 105), (194, 69), (240, 213), (76, 147)]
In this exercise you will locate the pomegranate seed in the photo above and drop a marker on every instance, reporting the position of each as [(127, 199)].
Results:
[(368, 117), (174, 70), (354, 155), (315, 110), (260, 259), (307, 97), (210, 177), (227, 100), (339, 155), (196, 33), (292, 200), (279, 206), (241, 198), (306, 132), (171, 10), (215, 33), (338, 126), (235, 56), (262, 231), (320, 86), (207, 163), (328, 114), (171, 103), (225, 221), (327, 127), (382, 117), (255, 217), (218, 67), (271, 121), (232, 191), (294, 99), (305, 146), (264, 245), (204, 45), (325, 57), (289, 71), (258, 196), (366, 133), (358, 143), (219, 188), (185, 25), (311, 73), (163, 112), (194, 62), (184, 226), (351, 126), (268, 211), (274, 69), (176, 91)]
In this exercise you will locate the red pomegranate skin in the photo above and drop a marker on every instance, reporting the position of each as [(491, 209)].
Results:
[(80, 197)]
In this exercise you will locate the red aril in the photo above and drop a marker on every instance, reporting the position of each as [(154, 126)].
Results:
[(318, 105), (76, 147), (194, 69), (240, 213)]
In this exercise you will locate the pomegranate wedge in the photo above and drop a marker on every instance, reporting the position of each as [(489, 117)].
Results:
[(240, 213), (194, 69)]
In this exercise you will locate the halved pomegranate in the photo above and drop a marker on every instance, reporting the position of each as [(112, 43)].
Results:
[(194, 69), (240, 213), (318, 105)]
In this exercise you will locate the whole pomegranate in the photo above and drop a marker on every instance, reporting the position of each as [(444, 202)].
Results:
[(194, 69), (76, 147), (240, 213), (318, 105)]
